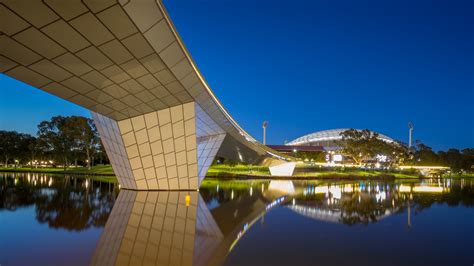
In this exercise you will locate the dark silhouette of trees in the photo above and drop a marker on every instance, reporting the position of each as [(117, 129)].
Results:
[(15, 147), (62, 139)]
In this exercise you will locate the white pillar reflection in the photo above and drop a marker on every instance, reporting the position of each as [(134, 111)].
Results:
[(156, 228)]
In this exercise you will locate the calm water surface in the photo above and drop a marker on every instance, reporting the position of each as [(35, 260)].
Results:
[(64, 220)]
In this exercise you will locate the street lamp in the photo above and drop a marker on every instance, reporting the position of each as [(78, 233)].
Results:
[(410, 127), (264, 126)]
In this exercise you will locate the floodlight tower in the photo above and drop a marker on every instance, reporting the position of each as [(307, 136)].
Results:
[(410, 128), (264, 126)]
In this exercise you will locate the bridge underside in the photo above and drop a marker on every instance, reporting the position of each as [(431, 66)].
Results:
[(160, 123)]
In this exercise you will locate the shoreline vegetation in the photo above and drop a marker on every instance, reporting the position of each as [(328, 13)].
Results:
[(247, 172)]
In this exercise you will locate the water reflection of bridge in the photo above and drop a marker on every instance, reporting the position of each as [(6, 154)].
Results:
[(202, 228), (177, 228)]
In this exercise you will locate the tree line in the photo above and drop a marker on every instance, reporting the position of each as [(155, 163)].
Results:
[(63, 140), (364, 146)]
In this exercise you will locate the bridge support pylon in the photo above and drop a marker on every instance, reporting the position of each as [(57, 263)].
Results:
[(169, 149)]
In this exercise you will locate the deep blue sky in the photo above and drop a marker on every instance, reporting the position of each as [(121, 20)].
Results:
[(311, 65)]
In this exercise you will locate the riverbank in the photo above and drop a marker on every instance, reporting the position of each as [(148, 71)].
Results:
[(245, 172), (258, 172), (100, 170)]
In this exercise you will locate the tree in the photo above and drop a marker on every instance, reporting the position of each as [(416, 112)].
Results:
[(58, 136), (67, 138), (87, 137), (8, 140), (360, 145), (16, 146), (424, 155)]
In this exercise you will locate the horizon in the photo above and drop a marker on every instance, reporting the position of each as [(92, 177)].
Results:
[(340, 61)]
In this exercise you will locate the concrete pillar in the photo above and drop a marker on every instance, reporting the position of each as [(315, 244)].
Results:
[(170, 149)]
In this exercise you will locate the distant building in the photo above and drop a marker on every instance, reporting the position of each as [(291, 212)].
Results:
[(327, 139)]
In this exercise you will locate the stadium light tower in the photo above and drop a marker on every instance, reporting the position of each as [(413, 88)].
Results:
[(264, 126), (410, 127)]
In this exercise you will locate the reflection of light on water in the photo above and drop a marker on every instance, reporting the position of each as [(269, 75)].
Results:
[(335, 191), (274, 203), (428, 189), (348, 188), (422, 189), (248, 225), (50, 182), (251, 191), (187, 200), (321, 190), (381, 196), (282, 186), (404, 188), (232, 194)]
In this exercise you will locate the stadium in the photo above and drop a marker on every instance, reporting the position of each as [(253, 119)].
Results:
[(327, 139)]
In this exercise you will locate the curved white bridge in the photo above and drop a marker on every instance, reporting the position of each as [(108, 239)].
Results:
[(160, 123)]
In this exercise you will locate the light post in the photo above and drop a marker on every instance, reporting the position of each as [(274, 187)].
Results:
[(264, 126), (410, 127)]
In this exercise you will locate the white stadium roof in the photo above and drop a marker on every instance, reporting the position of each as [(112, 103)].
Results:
[(327, 135)]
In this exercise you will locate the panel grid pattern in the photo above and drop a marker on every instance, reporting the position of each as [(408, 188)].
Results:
[(114, 146), (86, 54), (154, 228), (209, 138), (170, 149)]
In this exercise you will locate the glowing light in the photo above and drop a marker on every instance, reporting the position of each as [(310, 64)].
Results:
[(321, 190), (335, 191), (337, 158), (348, 189), (422, 167), (381, 158), (428, 189), (381, 196), (188, 200)]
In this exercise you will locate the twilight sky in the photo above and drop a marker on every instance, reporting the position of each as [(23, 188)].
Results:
[(312, 65)]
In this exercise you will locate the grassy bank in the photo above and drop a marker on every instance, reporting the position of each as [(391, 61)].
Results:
[(249, 172), (226, 171), (103, 170)]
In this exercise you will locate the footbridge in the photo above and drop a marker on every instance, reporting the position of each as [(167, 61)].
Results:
[(159, 121)]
